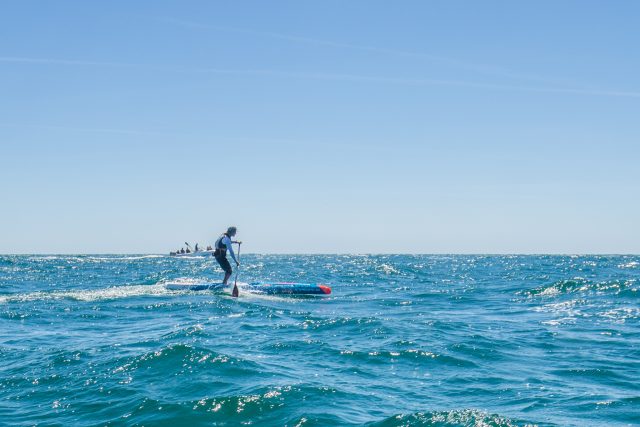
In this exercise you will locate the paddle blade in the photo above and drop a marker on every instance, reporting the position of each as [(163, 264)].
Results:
[(235, 292)]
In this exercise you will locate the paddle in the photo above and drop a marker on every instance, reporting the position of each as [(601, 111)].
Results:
[(235, 291)]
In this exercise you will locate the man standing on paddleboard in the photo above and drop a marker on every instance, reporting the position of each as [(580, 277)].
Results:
[(222, 246)]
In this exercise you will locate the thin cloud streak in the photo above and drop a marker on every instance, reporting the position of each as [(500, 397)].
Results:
[(81, 62), (26, 60), (294, 143), (328, 76), (492, 70), (477, 85), (91, 130)]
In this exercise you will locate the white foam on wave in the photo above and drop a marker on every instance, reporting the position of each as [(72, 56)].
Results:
[(185, 281), (119, 258), (560, 321), (632, 264), (53, 258), (92, 258), (621, 314), (113, 292), (387, 269), (566, 312)]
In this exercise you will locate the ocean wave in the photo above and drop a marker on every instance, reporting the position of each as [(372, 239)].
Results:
[(581, 285), (370, 323), (409, 355), (6, 261), (631, 264), (387, 269), (454, 418), (184, 332), (568, 312), (180, 357), (605, 374), (87, 259), (360, 357), (625, 402), (621, 314), (123, 258), (265, 406)]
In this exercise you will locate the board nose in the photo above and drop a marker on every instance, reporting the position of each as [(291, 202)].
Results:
[(325, 289)]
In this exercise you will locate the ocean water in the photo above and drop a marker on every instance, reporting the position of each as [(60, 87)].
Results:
[(420, 340)]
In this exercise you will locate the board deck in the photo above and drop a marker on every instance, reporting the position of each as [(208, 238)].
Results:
[(290, 288), (271, 288)]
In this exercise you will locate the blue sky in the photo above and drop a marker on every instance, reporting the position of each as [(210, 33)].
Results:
[(325, 126)]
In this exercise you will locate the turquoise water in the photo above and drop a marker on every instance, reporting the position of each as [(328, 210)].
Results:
[(402, 341)]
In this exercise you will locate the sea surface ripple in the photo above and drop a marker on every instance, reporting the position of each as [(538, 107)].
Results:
[(403, 340)]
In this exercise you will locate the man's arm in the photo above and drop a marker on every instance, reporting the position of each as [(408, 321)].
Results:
[(229, 246)]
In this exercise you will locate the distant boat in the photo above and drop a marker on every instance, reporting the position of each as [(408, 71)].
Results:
[(192, 254)]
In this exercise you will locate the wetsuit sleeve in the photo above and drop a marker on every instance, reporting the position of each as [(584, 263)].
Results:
[(227, 242)]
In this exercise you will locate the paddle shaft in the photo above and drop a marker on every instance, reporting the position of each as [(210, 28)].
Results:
[(235, 291)]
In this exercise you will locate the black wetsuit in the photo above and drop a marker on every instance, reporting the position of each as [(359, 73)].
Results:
[(220, 253)]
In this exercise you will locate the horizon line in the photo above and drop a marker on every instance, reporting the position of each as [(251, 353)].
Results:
[(346, 253)]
